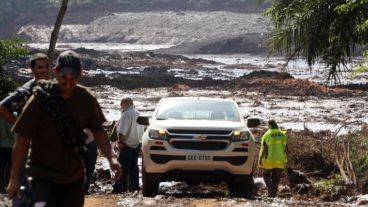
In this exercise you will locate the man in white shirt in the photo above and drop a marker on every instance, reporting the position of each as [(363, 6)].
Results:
[(129, 134)]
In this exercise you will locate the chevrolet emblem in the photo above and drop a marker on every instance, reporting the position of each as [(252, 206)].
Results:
[(200, 137)]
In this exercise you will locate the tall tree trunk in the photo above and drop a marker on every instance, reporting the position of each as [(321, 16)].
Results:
[(55, 31)]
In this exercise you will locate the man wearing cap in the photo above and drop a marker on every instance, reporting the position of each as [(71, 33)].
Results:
[(13, 104), (272, 156), (54, 119)]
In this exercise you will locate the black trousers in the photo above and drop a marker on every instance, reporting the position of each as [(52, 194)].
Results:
[(129, 181), (89, 163), (272, 180), (5, 166)]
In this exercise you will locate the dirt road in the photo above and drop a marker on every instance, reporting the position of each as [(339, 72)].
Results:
[(130, 200)]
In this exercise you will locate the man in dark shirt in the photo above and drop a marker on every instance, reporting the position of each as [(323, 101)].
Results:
[(55, 163), (15, 102)]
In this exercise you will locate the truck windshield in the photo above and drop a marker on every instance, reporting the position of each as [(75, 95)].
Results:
[(192, 109)]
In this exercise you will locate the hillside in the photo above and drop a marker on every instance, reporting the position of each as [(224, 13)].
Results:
[(195, 29)]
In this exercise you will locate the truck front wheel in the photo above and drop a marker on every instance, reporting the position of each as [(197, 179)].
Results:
[(241, 187), (150, 185)]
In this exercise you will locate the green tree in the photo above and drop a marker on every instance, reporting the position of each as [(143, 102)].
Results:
[(328, 30), (9, 49)]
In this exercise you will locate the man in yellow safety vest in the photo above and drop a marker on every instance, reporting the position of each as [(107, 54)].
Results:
[(272, 156)]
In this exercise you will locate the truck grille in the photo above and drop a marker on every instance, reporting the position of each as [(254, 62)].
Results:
[(199, 145), (207, 134), (184, 131)]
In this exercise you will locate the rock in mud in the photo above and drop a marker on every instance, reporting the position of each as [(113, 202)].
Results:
[(180, 87), (365, 187), (362, 200), (303, 188), (297, 177)]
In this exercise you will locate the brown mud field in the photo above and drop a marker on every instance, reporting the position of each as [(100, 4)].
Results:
[(132, 70)]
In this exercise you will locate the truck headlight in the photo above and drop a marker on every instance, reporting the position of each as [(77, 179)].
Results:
[(241, 135), (157, 134)]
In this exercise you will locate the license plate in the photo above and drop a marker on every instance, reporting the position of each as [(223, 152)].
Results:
[(199, 157)]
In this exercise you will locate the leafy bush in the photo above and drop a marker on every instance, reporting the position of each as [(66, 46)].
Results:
[(360, 154), (9, 49), (330, 185)]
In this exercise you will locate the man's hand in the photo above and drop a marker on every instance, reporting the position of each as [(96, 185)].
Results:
[(116, 148), (120, 145), (260, 162), (116, 168), (13, 188), (19, 155), (103, 143)]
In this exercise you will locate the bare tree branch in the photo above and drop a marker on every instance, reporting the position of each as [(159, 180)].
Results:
[(55, 31), (351, 166)]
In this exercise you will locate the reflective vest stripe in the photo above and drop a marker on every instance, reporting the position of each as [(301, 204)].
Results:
[(270, 164), (276, 142)]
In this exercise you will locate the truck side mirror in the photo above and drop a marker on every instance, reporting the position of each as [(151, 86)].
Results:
[(143, 120), (253, 122)]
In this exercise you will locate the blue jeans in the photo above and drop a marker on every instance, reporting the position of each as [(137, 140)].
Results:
[(89, 163), (129, 181)]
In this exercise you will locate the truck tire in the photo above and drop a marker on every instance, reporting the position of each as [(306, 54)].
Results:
[(150, 185), (241, 188)]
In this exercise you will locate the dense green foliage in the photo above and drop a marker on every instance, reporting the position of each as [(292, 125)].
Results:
[(361, 67), (319, 29), (331, 185), (9, 49), (360, 154)]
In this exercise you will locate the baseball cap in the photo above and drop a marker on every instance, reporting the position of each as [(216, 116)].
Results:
[(68, 62)]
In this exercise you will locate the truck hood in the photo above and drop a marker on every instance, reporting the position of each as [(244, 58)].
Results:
[(197, 124)]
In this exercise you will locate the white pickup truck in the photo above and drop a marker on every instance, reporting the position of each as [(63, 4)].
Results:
[(197, 140)]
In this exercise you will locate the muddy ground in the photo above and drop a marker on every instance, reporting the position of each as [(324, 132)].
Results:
[(132, 70), (148, 76), (306, 155)]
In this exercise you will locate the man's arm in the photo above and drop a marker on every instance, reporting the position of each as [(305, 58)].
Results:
[(15, 102), (19, 155), (264, 151), (121, 130), (103, 144), (286, 145), (7, 116)]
